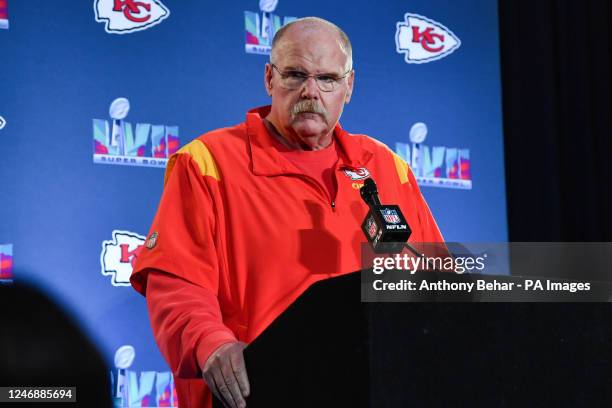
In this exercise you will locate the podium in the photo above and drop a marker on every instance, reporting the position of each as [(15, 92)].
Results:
[(315, 353), (328, 349)]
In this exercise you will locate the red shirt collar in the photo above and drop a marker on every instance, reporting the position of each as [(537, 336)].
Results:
[(267, 161)]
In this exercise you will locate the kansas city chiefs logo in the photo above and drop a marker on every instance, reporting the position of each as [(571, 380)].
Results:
[(127, 16), (119, 256), (423, 40), (357, 174)]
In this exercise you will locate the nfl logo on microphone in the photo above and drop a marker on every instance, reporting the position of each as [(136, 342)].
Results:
[(390, 216)]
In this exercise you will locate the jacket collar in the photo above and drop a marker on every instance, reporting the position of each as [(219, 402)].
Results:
[(267, 161)]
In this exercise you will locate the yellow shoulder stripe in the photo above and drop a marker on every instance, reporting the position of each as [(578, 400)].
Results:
[(402, 168), (200, 154)]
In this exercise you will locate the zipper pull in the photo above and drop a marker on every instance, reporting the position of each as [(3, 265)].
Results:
[(333, 205)]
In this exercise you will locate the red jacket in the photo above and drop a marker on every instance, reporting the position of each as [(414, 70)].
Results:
[(246, 229)]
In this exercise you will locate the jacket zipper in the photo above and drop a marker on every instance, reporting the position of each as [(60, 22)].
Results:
[(312, 181)]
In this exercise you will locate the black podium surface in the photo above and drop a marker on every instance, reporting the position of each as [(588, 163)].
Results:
[(329, 349)]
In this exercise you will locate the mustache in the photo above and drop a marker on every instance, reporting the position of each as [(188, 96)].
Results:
[(308, 106)]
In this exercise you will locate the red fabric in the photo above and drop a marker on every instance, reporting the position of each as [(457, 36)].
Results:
[(186, 314), (241, 222), (318, 164)]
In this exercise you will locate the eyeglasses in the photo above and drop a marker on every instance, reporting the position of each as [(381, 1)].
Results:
[(294, 79)]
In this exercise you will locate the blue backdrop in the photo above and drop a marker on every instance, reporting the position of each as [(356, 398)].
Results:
[(193, 66)]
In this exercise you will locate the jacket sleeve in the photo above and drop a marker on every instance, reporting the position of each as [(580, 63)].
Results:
[(186, 321), (180, 265), (428, 230), (427, 223), (183, 239)]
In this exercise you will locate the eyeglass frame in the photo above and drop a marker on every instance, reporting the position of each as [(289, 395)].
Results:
[(306, 76)]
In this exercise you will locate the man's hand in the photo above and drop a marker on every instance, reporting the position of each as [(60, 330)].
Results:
[(226, 376)]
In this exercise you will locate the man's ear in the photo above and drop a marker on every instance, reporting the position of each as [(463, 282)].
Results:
[(268, 79), (350, 81)]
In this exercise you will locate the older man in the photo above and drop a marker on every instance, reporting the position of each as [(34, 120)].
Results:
[(253, 214)]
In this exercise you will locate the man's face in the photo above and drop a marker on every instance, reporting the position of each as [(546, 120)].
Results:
[(310, 50)]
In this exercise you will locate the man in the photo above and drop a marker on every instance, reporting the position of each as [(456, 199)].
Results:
[(252, 215)]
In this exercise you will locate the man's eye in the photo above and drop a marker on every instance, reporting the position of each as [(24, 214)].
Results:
[(326, 78), (295, 74)]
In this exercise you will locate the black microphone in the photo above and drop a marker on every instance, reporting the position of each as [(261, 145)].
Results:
[(369, 193), (384, 226)]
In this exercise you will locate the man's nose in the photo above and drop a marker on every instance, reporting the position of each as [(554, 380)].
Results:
[(310, 88)]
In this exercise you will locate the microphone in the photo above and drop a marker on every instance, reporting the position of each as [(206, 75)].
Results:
[(369, 193), (384, 226)]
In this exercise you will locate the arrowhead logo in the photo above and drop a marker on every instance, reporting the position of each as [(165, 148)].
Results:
[(119, 256), (423, 40), (127, 16), (2, 123), (357, 174)]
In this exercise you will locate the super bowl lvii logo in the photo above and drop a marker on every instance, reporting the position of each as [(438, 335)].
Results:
[(260, 29), (439, 166), (127, 16), (118, 143), (132, 388), (423, 40), (4, 22)]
